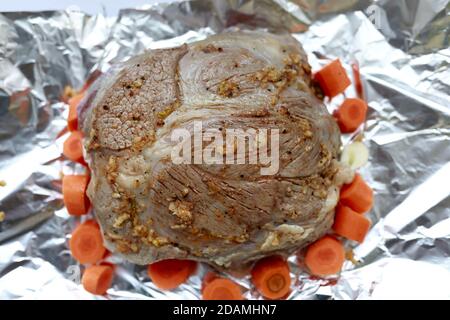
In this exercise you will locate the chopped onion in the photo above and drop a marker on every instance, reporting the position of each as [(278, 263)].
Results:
[(355, 155)]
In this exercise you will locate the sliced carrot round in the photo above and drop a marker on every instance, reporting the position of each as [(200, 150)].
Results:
[(325, 256), (332, 79), (74, 194), (351, 114), (271, 277), (222, 289), (207, 278), (86, 243), (193, 268), (73, 147), (357, 78), (350, 224), (72, 120), (91, 222), (169, 274), (357, 195), (97, 279)]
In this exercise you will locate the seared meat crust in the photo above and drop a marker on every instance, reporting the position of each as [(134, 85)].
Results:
[(226, 215)]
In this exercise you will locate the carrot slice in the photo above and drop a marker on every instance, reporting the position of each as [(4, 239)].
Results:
[(325, 256), (169, 274), (271, 277), (351, 114), (92, 222), (350, 224), (72, 120), (357, 195), (332, 79), (222, 289), (73, 147), (210, 276), (97, 279), (357, 78), (86, 243), (193, 268), (74, 194)]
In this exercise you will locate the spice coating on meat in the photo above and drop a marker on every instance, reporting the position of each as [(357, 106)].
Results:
[(227, 215)]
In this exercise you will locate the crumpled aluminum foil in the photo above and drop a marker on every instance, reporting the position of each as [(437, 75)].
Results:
[(402, 49)]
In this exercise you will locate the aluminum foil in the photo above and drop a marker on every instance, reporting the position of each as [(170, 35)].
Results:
[(402, 50)]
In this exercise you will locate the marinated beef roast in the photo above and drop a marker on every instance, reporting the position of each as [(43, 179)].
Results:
[(226, 215)]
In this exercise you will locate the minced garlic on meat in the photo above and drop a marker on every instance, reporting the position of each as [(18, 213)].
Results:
[(120, 220)]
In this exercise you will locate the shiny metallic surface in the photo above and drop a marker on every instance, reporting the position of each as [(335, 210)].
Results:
[(402, 50)]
